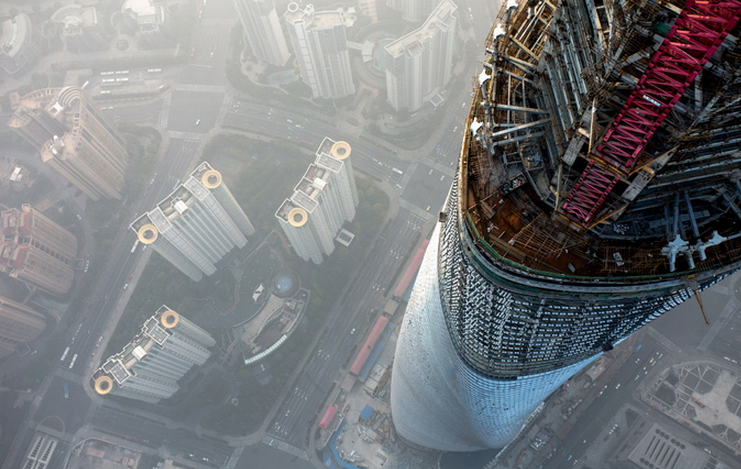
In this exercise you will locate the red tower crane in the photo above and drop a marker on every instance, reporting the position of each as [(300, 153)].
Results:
[(696, 35)]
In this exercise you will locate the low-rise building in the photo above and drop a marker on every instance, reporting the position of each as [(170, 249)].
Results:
[(79, 27)]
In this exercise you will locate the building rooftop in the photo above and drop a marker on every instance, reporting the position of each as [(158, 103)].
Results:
[(74, 18), (440, 18), (673, 214), (314, 182), (13, 32), (292, 213), (119, 367), (659, 449), (314, 20), (294, 14), (327, 19), (144, 11), (196, 188), (63, 104)]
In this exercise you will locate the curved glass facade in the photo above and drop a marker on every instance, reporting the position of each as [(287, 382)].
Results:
[(438, 401), (477, 353)]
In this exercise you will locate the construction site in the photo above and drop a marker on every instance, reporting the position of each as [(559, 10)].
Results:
[(576, 173), (598, 187), (355, 430), (611, 161)]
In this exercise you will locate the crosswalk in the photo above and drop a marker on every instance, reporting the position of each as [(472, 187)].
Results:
[(232, 462), (285, 447), (225, 103), (165, 111), (663, 340), (446, 170), (426, 216), (184, 135)]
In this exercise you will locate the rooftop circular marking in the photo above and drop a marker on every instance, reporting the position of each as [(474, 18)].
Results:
[(170, 319), (298, 217), (211, 179), (147, 234), (341, 150), (103, 385), (285, 284)]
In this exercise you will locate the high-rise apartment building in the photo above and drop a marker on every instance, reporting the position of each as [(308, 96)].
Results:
[(18, 324), (74, 138), (36, 250), (413, 10), (262, 30), (149, 367), (320, 45), (420, 64), (196, 225), (592, 196), (18, 50), (322, 201)]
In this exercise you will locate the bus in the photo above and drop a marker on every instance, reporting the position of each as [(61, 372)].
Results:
[(122, 72), (154, 70), (72, 363), (103, 74), (105, 92), (397, 171), (64, 355), (136, 243)]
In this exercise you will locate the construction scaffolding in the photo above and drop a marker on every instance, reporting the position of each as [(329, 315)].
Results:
[(601, 134), (694, 38), (598, 188)]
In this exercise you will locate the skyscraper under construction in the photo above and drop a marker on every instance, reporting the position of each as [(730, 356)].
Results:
[(598, 188)]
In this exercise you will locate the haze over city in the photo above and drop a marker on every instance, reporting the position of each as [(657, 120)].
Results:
[(261, 234)]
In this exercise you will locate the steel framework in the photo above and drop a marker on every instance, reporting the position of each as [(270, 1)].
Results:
[(696, 35)]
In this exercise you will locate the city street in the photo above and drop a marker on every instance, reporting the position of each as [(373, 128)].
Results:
[(197, 100), (154, 434), (602, 425), (90, 333), (302, 406)]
